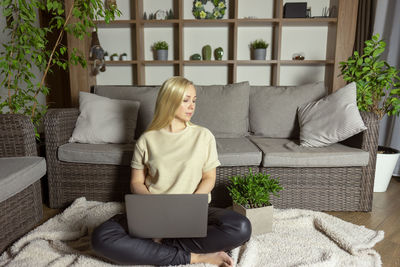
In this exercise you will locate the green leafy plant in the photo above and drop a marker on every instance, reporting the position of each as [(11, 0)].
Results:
[(160, 45), (28, 47), (259, 44), (254, 189), (378, 83)]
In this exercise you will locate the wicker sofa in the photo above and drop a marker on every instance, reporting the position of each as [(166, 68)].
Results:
[(21, 169), (339, 177)]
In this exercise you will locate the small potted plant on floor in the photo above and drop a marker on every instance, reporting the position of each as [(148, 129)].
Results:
[(378, 92), (251, 195), (161, 50), (259, 49)]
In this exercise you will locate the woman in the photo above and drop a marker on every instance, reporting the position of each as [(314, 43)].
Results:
[(174, 156)]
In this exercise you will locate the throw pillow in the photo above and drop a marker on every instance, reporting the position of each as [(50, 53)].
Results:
[(223, 109), (331, 119), (104, 120), (273, 109)]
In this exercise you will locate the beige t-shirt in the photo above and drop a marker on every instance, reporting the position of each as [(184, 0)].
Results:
[(175, 161)]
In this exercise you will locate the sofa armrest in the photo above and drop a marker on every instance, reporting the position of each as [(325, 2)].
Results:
[(17, 136), (366, 140), (58, 127)]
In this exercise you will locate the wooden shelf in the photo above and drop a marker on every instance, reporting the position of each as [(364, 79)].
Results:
[(115, 23), (208, 62), (308, 21), (160, 62), (159, 23), (256, 62), (306, 62), (339, 42)]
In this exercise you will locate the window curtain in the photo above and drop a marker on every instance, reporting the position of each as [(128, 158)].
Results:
[(365, 23), (386, 23)]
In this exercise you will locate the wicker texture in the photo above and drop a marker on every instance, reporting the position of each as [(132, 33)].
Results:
[(345, 189), (318, 188), (21, 212), (68, 181)]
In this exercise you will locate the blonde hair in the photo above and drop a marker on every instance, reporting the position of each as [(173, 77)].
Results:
[(168, 101)]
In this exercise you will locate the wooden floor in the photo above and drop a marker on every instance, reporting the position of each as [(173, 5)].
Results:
[(385, 215)]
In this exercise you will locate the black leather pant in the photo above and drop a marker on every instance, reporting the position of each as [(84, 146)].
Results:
[(226, 230)]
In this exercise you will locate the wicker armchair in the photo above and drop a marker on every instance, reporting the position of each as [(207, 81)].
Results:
[(68, 181), (20, 212)]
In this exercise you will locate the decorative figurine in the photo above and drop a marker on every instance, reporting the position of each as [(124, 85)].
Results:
[(218, 53), (206, 52)]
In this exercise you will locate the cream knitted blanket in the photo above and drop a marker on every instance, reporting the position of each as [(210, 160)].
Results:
[(299, 238)]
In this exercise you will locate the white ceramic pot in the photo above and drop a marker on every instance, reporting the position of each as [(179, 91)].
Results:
[(385, 164)]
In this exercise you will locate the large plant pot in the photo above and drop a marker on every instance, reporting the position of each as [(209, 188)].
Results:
[(260, 218), (162, 54), (385, 164), (259, 53)]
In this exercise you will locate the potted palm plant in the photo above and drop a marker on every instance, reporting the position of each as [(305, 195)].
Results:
[(28, 48), (161, 50), (378, 92), (251, 196), (259, 49)]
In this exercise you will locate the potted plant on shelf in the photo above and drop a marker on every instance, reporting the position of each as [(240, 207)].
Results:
[(259, 49), (28, 48), (161, 50), (114, 57), (378, 92), (251, 196)]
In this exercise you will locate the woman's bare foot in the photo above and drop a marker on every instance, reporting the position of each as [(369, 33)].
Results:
[(218, 258)]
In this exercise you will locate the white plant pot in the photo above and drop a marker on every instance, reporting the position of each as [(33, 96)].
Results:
[(385, 164), (260, 218)]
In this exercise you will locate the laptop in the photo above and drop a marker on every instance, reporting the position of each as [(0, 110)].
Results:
[(167, 215)]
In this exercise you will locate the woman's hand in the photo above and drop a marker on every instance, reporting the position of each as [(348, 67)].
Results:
[(137, 182), (207, 182)]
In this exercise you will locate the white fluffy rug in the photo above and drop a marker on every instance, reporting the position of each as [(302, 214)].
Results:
[(299, 238)]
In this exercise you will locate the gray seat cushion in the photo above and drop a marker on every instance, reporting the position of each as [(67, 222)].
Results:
[(17, 173), (113, 154), (231, 152), (287, 153), (237, 152)]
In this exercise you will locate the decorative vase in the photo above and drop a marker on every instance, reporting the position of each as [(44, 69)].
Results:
[(206, 52), (195, 57), (385, 164), (259, 53), (218, 53), (162, 54), (260, 218)]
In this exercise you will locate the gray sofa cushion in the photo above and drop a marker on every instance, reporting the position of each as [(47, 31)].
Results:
[(113, 154), (287, 153), (223, 109), (17, 173), (273, 110), (231, 152), (146, 95), (237, 152)]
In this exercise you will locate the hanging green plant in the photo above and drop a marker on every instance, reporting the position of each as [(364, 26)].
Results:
[(199, 11)]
